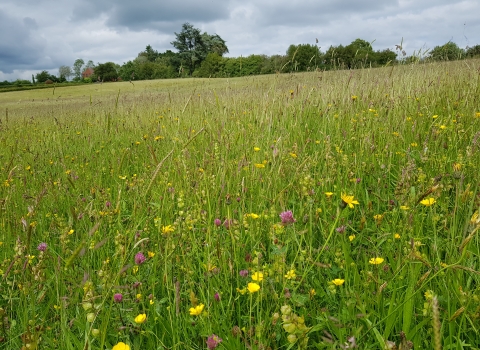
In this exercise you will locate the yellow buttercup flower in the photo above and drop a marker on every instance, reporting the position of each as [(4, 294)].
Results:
[(167, 229), (197, 310), (253, 287), (428, 201), (121, 346), (141, 318), (256, 149), (259, 165), (338, 281), (257, 276), (349, 200), (376, 261), (290, 275)]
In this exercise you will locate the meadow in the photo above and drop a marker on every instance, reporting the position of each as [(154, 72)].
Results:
[(320, 210)]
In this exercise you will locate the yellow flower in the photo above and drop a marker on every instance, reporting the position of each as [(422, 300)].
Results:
[(293, 155), (167, 229), (349, 200), (253, 287), (253, 216), (351, 237), (328, 194), (197, 310), (290, 274), (414, 144), (378, 217), (396, 236), (121, 346), (338, 281), (435, 116), (71, 232), (151, 254), (443, 127), (242, 291), (457, 166), (477, 114), (141, 318), (376, 261), (354, 97), (257, 276), (404, 207), (428, 201), (256, 149), (259, 165), (312, 292)]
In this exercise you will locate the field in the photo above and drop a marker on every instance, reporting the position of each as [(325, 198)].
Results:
[(322, 210)]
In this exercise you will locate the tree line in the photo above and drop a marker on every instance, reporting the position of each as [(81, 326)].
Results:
[(202, 55)]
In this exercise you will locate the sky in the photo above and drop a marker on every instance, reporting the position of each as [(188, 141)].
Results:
[(38, 35)]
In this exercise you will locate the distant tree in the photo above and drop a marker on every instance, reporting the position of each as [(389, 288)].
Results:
[(89, 64), (193, 47), (384, 57), (212, 66), (358, 53), (215, 44), (64, 72), (43, 76), (106, 71), (190, 46), (77, 68), (473, 51), (447, 52), (33, 80), (303, 57)]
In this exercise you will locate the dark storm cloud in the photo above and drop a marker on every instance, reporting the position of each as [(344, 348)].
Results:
[(157, 15), (319, 13), (20, 46)]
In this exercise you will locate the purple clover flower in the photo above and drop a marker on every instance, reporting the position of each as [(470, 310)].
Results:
[(139, 258), (243, 273), (287, 217), (118, 297), (213, 341), (217, 222), (42, 247)]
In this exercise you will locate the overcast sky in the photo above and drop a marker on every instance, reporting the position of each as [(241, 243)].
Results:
[(38, 35)]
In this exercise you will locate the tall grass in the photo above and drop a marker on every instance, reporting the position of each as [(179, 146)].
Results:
[(125, 208)]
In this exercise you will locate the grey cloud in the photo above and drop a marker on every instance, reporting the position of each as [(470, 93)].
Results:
[(141, 15), (20, 46)]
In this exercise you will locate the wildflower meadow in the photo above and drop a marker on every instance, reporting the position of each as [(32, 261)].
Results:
[(318, 210)]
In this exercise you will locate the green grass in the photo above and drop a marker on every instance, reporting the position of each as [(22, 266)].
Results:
[(103, 172)]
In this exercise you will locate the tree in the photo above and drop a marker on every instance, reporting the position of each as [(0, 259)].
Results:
[(212, 66), (190, 46), (473, 51), (358, 54), (447, 52), (303, 57), (64, 72), (77, 68), (215, 44), (193, 47), (106, 71), (43, 76)]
